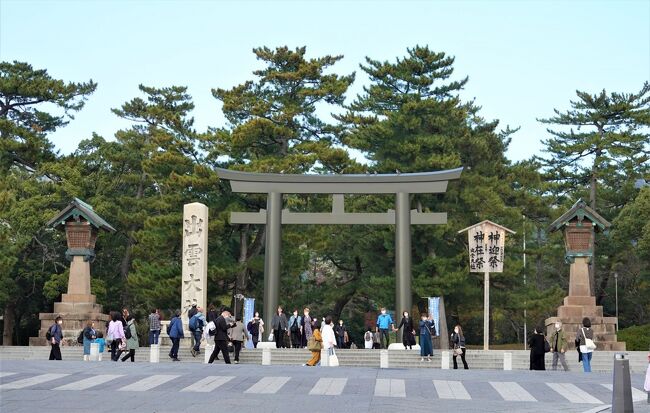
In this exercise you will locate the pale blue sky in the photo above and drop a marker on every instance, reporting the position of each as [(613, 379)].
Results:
[(523, 58)]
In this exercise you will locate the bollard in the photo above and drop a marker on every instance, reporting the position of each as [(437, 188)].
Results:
[(324, 358), (444, 360), (622, 389), (154, 353), (209, 348), (383, 359), (94, 351), (507, 361), (266, 357)]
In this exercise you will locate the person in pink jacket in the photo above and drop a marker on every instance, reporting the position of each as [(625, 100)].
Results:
[(115, 334)]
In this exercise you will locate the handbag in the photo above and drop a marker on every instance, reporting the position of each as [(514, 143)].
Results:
[(313, 345), (333, 360), (271, 337), (458, 351), (547, 346), (589, 343)]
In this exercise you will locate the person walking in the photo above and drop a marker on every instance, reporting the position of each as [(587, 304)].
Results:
[(101, 344), (55, 332), (367, 339), (458, 341), (190, 313), (255, 328), (154, 326), (306, 327), (426, 346), (238, 335), (175, 332), (559, 346), (384, 324), (89, 336), (328, 336), (115, 335), (212, 314), (196, 325), (279, 326), (132, 342), (221, 336), (295, 329), (585, 336), (408, 334), (537, 344), (340, 332), (314, 345)]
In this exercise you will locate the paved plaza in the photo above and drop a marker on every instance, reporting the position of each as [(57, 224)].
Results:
[(73, 386)]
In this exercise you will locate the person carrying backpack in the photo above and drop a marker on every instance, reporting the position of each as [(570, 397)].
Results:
[(295, 329), (196, 324), (132, 343), (54, 335), (190, 313)]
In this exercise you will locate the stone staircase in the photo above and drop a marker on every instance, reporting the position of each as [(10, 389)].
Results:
[(397, 359)]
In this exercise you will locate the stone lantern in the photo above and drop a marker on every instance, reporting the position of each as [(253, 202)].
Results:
[(580, 224), (82, 225)]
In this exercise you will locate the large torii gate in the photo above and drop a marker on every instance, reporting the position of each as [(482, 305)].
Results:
[(275, 185)]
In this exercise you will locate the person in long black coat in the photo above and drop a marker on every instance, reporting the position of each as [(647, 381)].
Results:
[(537, 351), (408, 334), (221, 336)]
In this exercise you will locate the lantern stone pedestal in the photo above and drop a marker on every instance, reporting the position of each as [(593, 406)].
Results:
[(78, 305), (579, 225)]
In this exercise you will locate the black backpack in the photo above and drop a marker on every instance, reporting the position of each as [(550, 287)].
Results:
[(127, 332), (80, 337), (48, 334)]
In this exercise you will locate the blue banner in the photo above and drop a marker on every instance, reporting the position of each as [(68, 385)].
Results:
[(434, 311), (249, 313)]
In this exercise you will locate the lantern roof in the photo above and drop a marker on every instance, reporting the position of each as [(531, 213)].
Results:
[(580, 211), (76, 209)]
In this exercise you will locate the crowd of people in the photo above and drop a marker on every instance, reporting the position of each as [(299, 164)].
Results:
[(557, 345), (228, 334)]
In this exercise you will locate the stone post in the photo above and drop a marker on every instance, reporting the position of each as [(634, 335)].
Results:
[(195, 258)]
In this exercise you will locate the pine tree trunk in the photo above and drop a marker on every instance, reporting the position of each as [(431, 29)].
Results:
[(9, 318)]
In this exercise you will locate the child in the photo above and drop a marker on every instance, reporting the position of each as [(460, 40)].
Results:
[(102, 343), (367, 339)]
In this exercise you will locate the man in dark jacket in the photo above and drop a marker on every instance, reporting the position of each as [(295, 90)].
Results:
[(279, 325), (221, 336), (57, 335)]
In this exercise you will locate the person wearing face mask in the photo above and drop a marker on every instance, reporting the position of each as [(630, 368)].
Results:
[(340, 332), (426, 328), (89, 336), (384, 323), (306, 327), (559, 346), (408, 334), (458, 340), (56, 335), (279, 326), (295, 329)]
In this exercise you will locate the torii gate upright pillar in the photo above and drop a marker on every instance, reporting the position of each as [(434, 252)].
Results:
[(402, 253), (273, 250)]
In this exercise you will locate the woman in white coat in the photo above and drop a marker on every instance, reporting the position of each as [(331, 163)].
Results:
[(329, 339)]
